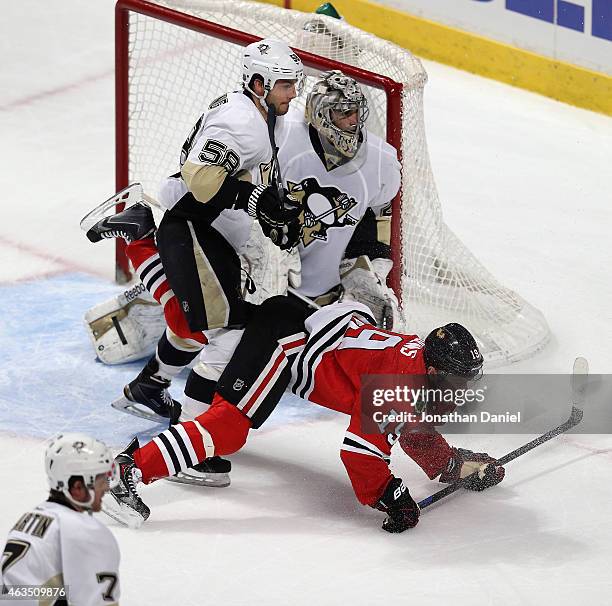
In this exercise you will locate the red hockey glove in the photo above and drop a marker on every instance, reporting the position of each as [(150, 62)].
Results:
[(402, 511), (482, 469)]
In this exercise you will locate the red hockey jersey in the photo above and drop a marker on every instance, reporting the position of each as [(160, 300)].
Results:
[(343, 346)]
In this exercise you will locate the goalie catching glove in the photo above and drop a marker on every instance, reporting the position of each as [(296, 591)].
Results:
[(365, 281), (401, 509), (480, 469)]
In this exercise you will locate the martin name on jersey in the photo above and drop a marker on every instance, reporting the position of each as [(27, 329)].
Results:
[(53, 546), (333, 201)]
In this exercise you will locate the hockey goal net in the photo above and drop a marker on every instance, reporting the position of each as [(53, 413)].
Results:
[(173, 57)]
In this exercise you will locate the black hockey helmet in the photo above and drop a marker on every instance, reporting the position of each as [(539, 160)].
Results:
[(452, 350)]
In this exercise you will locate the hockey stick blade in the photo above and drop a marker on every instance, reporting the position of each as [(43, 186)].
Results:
[(580, 376), (579, 380)]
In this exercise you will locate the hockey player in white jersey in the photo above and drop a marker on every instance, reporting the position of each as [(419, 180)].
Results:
[(192, 267), (58, 553)]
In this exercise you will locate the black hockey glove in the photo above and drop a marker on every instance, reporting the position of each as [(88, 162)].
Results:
[(401, 509), (279, 220)]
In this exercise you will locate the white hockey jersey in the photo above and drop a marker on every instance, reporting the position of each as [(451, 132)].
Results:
[(232, 134), (53, 546), (334, 201)]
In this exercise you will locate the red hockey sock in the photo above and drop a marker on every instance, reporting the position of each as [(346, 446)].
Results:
[(221, 430)]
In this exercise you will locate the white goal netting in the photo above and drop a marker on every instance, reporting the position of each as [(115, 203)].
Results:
[(175, 72)]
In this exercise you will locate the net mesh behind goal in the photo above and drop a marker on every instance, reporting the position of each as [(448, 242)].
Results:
[(173, 72)]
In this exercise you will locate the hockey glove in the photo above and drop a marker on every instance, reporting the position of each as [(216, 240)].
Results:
[(480, 469), (402, 511), (279, 219)]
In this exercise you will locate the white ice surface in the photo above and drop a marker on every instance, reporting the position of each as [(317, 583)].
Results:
[(525, 182)]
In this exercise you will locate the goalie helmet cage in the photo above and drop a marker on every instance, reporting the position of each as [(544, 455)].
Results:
[(173, 57)]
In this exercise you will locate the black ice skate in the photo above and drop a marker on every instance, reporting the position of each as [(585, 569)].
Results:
[(212, 472), (123, 503), (147, 397), (134, 223)]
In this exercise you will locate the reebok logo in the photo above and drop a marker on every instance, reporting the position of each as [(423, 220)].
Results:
[(133, 292)]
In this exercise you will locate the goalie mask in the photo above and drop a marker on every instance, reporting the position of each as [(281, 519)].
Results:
[(272, 60), (330, 103), (77, 455)]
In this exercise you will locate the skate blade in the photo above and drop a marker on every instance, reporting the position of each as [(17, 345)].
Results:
[(121, 513), (130, 195), (208, 480), (137, 410)]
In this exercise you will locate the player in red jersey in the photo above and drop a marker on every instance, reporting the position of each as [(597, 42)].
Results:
[(331, 352)]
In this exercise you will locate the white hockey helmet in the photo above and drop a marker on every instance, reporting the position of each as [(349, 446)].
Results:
[(273, 60), (76, 454), (340, 93)]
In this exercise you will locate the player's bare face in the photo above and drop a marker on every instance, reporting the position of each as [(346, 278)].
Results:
[(281, 95), (82, 494), (346, 120)]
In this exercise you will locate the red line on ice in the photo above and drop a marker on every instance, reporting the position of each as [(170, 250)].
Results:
[(66, 265), (45, 94)]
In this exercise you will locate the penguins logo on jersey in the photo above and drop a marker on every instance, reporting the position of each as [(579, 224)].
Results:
[(323, 208)]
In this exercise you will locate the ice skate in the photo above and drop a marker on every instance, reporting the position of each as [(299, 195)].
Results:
[(212, 472), (147, 397), (123, 503), (134, 223)]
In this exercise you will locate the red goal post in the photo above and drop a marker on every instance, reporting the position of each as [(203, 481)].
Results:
[(174, 56)]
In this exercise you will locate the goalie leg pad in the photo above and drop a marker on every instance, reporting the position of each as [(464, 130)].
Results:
[(126, 327)]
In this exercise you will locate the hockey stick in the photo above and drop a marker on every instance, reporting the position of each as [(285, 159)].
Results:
[(304, 298), (275, 173), (579, 380)]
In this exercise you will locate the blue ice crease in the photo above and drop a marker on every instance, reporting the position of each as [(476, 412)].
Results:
[(50, 379)]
